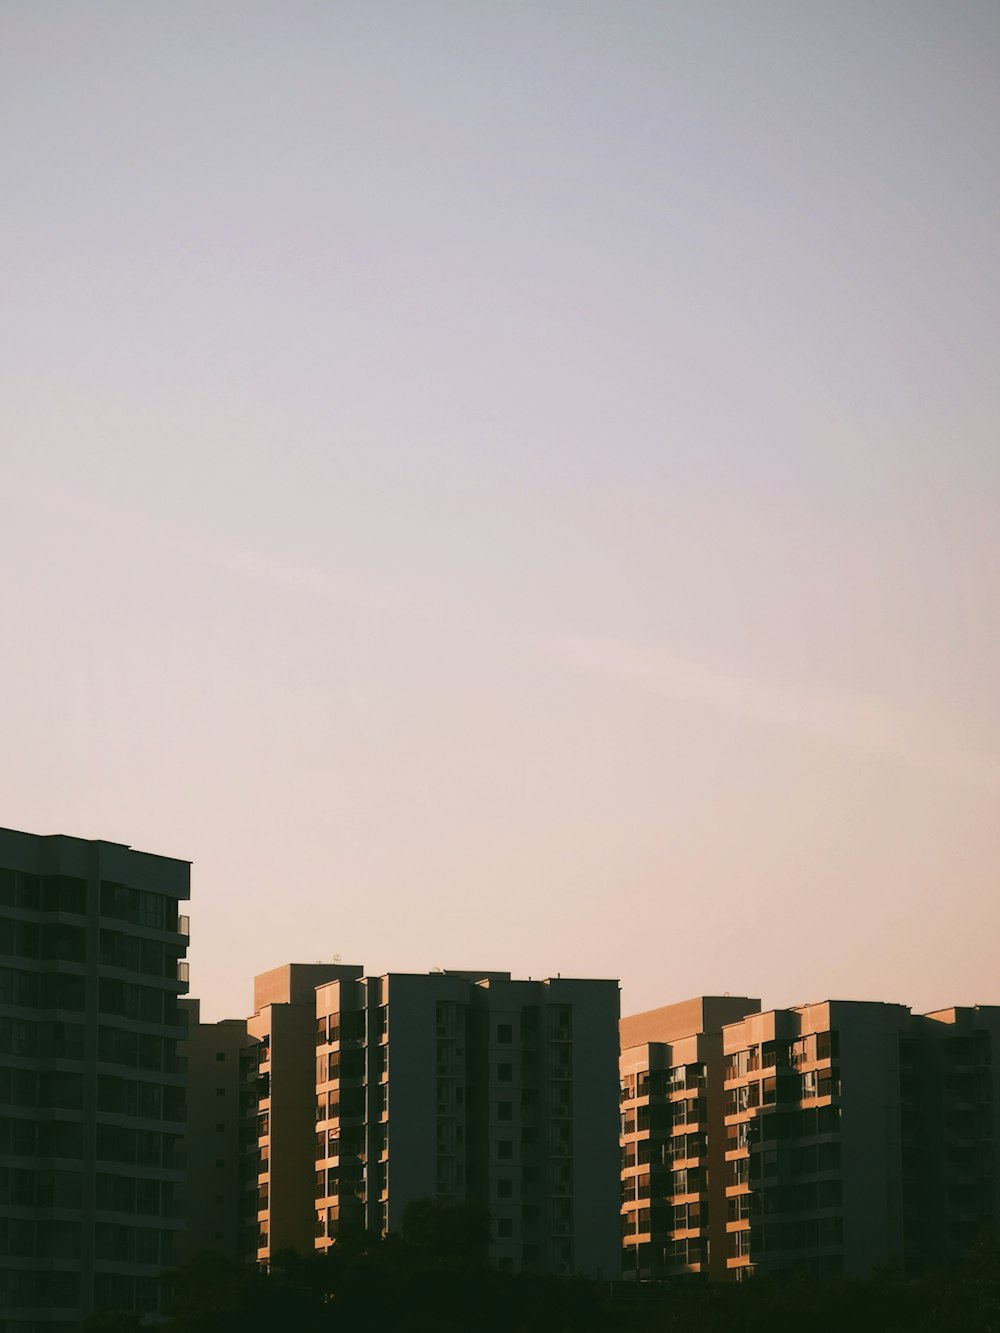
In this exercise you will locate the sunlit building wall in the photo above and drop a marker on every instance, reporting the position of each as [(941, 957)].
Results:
[(830, 1139), (672, 1136)]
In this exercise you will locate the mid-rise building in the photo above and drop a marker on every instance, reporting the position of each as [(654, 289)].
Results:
[(452, 1087), (949, 1083), (283, 1026), (471, 1086), (672, 1137), (860, 1135), (813, 1164), (91, 1091), (830, 1139)]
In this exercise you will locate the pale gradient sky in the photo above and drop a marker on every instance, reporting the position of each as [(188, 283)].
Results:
[(514, 484)]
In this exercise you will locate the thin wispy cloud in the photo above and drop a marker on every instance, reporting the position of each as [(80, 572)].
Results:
[(875, 726)]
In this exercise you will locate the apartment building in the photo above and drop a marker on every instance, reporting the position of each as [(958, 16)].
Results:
[(949, 1133), (448, 1086), (91, 1091), (841, 1137), (221, 1065), (813, 1164), (283, 1028), (672, 1137)]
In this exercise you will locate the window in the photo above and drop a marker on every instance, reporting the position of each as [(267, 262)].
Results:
[(740, 1063), (741, 1208), (738, 1172), (561, 1022), (505, 1189), (739, 1244), (504, 1228), (688, 1216), (826, 1045), (220, 1055), (17, 890), (802, 1051), (505, 1073), (686, 1181), (505, 1110), (505, 1034), (562, 1061), (505, 1149), (774, 1053)]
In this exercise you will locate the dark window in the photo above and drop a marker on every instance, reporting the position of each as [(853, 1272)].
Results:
[(19, 938), (60, 893)]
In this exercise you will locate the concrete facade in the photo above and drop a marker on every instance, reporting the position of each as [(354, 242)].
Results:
[(453, 1087), (672, 1137), (829, 1139), (221, 1066), (284, 1028), (472, 1086), (813, 1139), (91, 1088)]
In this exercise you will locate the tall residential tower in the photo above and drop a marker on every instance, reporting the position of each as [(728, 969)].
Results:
[(454, 1087), (91, 1092)]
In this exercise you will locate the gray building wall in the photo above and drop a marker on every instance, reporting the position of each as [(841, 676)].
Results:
[(216, 1056), (871, 1162), (482, 1089)]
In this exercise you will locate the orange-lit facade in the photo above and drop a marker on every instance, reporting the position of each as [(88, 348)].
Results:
[(672, 1136), (376, 1092), (830, 1139)]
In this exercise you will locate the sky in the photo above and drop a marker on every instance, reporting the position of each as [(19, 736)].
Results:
[(514, 483)]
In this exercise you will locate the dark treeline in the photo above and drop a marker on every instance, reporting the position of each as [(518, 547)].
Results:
[(433, 1276)]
